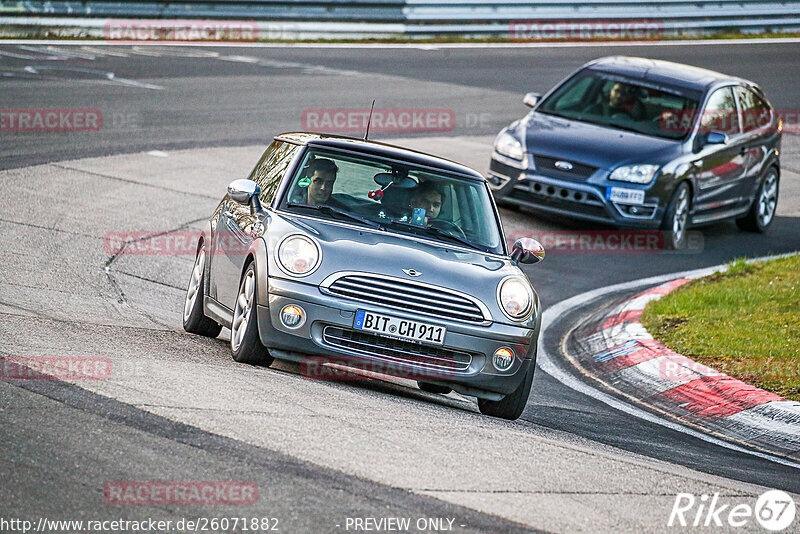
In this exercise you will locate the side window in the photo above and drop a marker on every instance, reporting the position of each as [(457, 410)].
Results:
[(755, 112), (271, 168), (574, 97), (720, 113)]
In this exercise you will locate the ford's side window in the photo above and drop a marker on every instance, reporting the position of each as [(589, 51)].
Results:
[(720, 114), (271, 168)]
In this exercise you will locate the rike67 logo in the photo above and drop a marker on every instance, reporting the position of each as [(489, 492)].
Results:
[(774, 510)]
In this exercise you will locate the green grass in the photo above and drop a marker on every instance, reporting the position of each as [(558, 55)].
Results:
[(744, 322)]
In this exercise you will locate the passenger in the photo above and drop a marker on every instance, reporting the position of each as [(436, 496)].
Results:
[(429, 197)]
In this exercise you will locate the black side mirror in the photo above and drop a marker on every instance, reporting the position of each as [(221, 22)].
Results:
[(527, 250)]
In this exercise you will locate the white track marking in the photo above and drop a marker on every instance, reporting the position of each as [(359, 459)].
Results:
[(547, 363)]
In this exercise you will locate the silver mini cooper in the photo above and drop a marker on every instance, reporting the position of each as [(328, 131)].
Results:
[(341, 253)]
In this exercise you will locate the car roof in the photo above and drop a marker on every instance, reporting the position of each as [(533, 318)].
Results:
[(665, 72), (377, 148)]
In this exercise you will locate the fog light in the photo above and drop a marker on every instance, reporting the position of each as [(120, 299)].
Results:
[(293, 316), (503, 358)]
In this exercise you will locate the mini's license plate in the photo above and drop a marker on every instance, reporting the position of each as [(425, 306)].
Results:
[(399, 328), (625, 196)]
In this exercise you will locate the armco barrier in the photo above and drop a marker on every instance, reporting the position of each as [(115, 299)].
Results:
[(413, 18)]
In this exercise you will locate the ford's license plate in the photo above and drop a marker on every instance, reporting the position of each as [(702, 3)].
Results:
[(399, 328), (625, 196)]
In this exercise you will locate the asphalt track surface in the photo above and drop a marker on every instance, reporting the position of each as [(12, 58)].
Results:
[(319, 452)]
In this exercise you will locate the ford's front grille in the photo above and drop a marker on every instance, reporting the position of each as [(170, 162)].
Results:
[(546, 166), (408, 296), (396, 350)]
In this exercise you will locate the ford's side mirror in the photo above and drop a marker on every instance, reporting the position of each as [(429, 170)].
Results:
[(531, 99), (245, 192), (527, 250), (715, 138)]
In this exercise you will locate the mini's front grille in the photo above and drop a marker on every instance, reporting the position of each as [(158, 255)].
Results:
[(546, 166), (396, 350), (408, 297)]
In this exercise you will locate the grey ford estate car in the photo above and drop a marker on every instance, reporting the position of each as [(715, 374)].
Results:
[(350, 253), (640, 143)]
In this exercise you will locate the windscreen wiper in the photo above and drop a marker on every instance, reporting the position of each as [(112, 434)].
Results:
[(419, 230), (457, 239), (330, 210)]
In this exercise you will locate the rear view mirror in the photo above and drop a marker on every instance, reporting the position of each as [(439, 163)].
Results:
[(385, 179), (527, 250), (531, 99)]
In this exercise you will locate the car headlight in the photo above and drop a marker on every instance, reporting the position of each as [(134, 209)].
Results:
[(637, 174), (515, 298), (508, 145), (298, 255)]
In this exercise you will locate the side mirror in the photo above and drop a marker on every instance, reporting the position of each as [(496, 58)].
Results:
[(527, 250), (715, 138), (245, 192), (531, 99)]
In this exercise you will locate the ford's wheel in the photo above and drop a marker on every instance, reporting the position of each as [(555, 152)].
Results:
[(676, 218), (762, 212)]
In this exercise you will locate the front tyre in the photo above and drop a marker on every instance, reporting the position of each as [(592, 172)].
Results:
[(434, 388), (511, 406), (762, 212), (676, 218), (194, 320), (245, 344)]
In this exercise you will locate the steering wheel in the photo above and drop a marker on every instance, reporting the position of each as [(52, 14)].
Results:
[(447, 226)]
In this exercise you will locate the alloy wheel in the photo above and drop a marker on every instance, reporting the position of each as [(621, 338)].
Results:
[(244, 306)]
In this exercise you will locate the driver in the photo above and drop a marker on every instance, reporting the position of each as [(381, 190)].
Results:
[(622, 99), (322, 175), (427, 196), (316, 188)]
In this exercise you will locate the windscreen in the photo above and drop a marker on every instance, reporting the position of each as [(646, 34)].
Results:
[(625, 104), (394, 197)]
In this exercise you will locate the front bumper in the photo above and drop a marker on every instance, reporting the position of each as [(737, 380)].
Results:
[(329, 320), (583, 199)]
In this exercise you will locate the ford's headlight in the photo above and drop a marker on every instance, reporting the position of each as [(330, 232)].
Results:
[(298, 255), (508, 145), (515, 298), (637, 174)]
